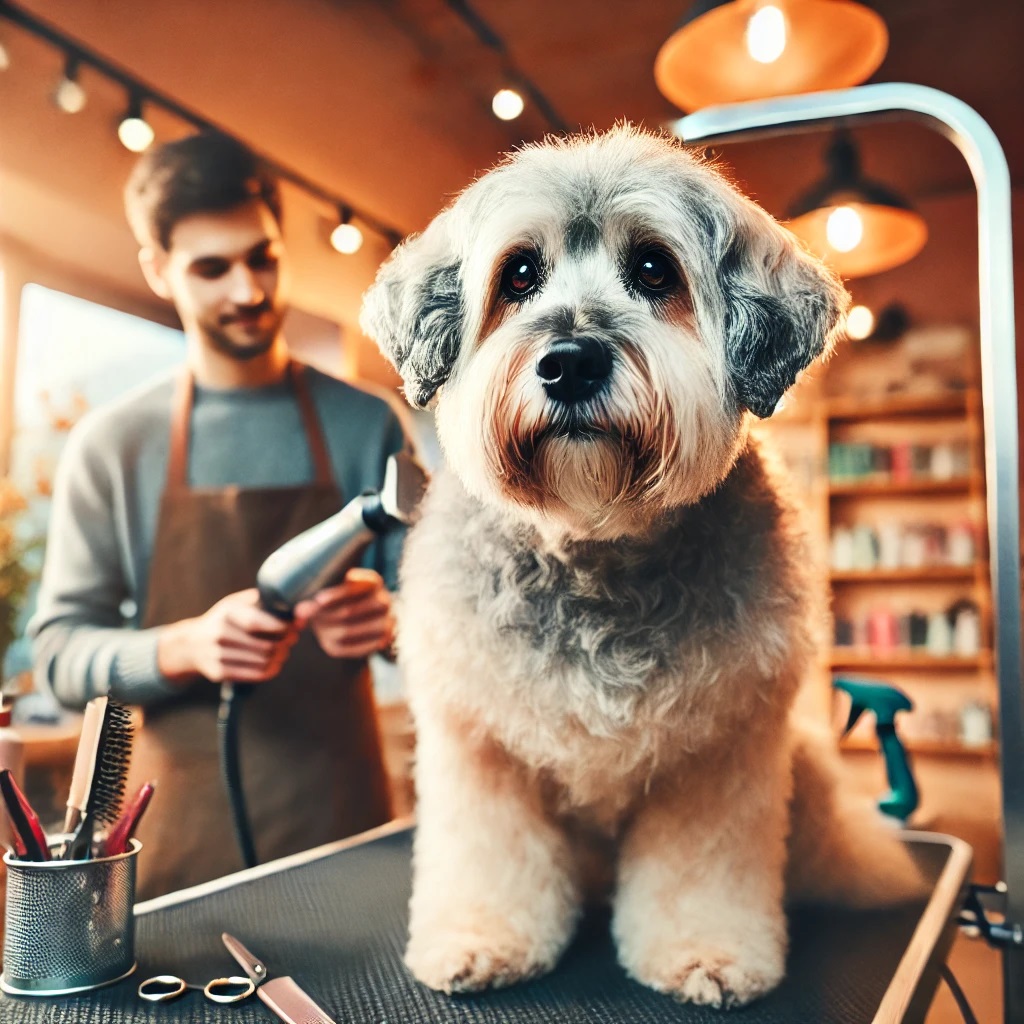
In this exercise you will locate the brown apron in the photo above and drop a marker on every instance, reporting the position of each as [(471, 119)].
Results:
[(310, 750)]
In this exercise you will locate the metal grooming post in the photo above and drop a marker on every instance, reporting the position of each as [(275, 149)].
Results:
[(980, 148)]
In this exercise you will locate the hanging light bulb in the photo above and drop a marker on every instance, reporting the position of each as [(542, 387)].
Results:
[(857, 225), (69, 94), (860, 322), (134, 131), (728, 51), (766, 35), (507, 104), (346, 237), (844, 229), (5, 58)]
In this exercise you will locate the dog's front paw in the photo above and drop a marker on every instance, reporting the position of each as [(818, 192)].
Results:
[(710, 977), (469, 956)]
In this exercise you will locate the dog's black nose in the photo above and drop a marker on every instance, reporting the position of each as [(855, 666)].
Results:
[(574, 370)]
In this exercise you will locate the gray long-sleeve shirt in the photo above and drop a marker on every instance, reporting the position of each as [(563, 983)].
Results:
[(106, 500)]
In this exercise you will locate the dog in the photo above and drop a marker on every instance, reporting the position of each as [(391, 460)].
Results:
[(606, 604)]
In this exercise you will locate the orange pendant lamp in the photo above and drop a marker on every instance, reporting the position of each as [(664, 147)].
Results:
[(858, 226), (728, 51)]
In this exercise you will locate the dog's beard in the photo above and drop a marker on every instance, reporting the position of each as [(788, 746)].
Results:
[(657, 436), (580, 465)]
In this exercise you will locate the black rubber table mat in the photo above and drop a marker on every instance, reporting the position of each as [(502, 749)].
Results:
[(338, 926)]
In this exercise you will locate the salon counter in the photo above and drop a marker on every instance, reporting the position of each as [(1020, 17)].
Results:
[(334, 918)]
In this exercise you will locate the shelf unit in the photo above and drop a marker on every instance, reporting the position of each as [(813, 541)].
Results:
[(924, 748), (860, 659), (913, 419), (924, 573), (903, 488), (958, 782)]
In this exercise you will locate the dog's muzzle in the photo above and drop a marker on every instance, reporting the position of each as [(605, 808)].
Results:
[(573, 370)]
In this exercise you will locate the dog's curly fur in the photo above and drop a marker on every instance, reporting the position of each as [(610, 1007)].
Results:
[(605, 609)]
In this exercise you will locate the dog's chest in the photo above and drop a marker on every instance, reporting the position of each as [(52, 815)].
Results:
[(620, 616)]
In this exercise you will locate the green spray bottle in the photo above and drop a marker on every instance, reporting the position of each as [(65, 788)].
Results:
[(885, 702)]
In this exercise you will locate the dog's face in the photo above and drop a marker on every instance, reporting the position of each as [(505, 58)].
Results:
[(593, 320)]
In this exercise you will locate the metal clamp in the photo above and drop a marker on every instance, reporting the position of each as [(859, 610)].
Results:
[(975, 921)]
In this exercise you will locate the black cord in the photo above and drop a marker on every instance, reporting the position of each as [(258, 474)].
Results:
[(227, 729), (958, 995)]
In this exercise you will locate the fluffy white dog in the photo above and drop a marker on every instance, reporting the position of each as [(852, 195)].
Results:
[(606, 603)]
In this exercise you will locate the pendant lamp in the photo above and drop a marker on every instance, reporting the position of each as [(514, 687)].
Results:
[(856, 225), (728, 51)]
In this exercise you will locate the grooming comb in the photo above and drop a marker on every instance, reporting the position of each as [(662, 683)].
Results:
[(105, 791), (29, 838), (118, 837), (85, 761)]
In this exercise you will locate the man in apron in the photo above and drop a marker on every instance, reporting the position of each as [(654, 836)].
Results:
[(172, 497)]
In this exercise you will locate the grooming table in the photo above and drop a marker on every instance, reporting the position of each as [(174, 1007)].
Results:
[(335, 919)]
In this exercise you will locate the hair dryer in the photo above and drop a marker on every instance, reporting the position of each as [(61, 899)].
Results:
[(299, 568), (322, 554)]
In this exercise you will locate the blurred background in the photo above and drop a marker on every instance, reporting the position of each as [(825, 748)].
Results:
[(377, 113)]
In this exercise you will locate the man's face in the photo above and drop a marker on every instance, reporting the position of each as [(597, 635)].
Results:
[(225, 274)]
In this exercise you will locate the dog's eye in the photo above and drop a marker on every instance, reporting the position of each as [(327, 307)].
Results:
[(654, 272), (520, 277)]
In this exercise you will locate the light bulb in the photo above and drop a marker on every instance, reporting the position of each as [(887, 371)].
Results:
[(135, 134), (507, 104), (766, 35), (5, 58), (69, 96), (346, 238), (844, 229), (860, 322)]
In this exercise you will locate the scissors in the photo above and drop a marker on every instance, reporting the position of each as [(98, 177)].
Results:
[(164, 987)]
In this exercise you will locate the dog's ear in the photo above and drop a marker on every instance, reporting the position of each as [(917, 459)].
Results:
[(783, 309), (415, 310)]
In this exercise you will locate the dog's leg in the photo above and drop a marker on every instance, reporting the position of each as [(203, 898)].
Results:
[(494, 900), (698, 911)]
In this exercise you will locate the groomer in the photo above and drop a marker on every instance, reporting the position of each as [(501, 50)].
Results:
[(165, 504)]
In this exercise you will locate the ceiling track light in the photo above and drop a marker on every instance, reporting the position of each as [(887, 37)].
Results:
[(857, 225), (134, 131), (507, 104), (69, 94), (346, 238), (136, 134), (729, 51)]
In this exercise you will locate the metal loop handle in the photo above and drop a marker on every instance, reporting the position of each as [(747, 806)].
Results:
[(162, 987), (244, 988)]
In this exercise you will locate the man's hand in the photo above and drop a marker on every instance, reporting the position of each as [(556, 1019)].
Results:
[(353, 619), (235, 639)]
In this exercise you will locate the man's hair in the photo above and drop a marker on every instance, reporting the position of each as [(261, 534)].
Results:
[(204, 173)]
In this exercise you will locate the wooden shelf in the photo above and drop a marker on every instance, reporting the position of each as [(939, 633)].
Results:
[(923, 574), (922, 747), (900, 488), (888, 406), (877, 661)]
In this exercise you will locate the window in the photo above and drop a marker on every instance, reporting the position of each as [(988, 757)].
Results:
[(72, 356)]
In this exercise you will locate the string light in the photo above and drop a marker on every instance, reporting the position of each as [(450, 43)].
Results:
[(69, 94)]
